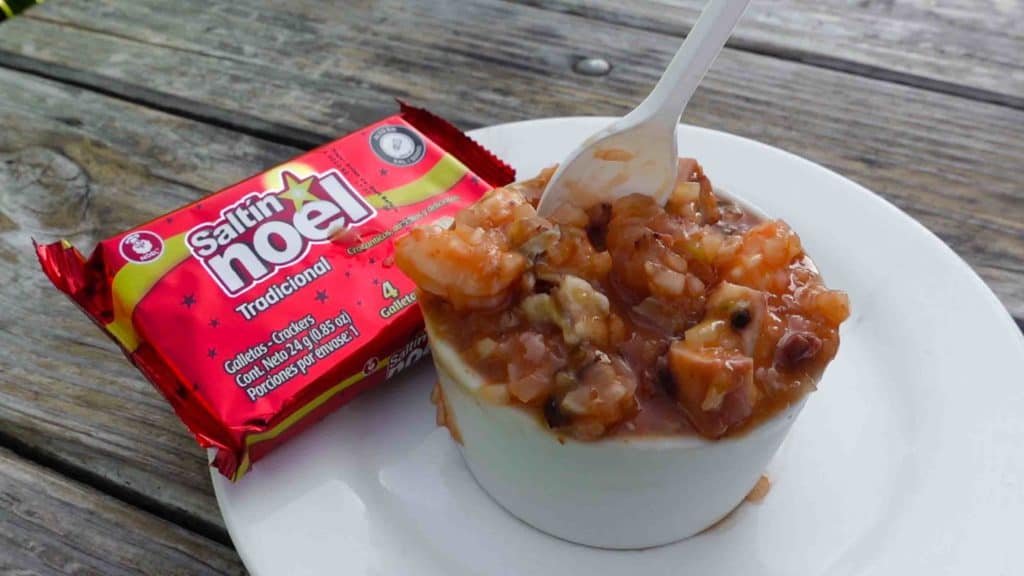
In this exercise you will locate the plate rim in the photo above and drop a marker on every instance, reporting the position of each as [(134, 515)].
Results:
[(950, 256)]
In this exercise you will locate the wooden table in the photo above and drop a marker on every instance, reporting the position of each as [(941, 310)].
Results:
[(114, 112)]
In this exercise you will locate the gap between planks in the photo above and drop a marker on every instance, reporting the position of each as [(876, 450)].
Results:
[(236, 121), (164, 102), (50, 524), (790, 53), (135, 499)]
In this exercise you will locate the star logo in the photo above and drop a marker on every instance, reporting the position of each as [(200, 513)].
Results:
[(188, 301), (321, 296), (212, 352), (297, 190), (214, 323)]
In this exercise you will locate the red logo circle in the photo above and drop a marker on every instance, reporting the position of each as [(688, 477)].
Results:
[(141, 247)]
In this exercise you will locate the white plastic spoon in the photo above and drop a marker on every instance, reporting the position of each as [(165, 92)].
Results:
[(637, 154)]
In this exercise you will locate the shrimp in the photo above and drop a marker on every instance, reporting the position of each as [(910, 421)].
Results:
[(498, 208), (763, 259), (471, 271)]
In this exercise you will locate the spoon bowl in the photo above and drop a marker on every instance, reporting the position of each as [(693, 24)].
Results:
[(638, 153)]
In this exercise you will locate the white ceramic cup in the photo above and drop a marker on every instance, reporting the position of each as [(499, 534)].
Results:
[(611, 493)]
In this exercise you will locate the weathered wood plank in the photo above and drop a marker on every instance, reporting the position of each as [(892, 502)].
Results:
[(966, 47), (51, 525), (82, 165), (77, 165), (321, 70)]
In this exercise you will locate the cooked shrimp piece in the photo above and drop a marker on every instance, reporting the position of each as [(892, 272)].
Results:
[(497, 208), (763, 259), (468, 275)]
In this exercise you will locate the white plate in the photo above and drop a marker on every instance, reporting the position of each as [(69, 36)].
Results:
[(908, 460)]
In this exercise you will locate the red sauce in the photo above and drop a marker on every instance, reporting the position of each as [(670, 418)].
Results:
[(629, 318)]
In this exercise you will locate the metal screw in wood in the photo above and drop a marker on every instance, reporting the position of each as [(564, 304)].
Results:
[(592, 67)]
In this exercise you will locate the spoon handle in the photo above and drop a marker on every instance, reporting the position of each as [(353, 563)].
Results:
[(673, 91)]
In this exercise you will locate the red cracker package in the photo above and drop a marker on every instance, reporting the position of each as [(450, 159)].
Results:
[(260, 308)]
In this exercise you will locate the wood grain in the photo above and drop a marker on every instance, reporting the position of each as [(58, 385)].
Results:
[(87, 163), (77, 165), (50, 525), (966, 47), (949, 161)]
